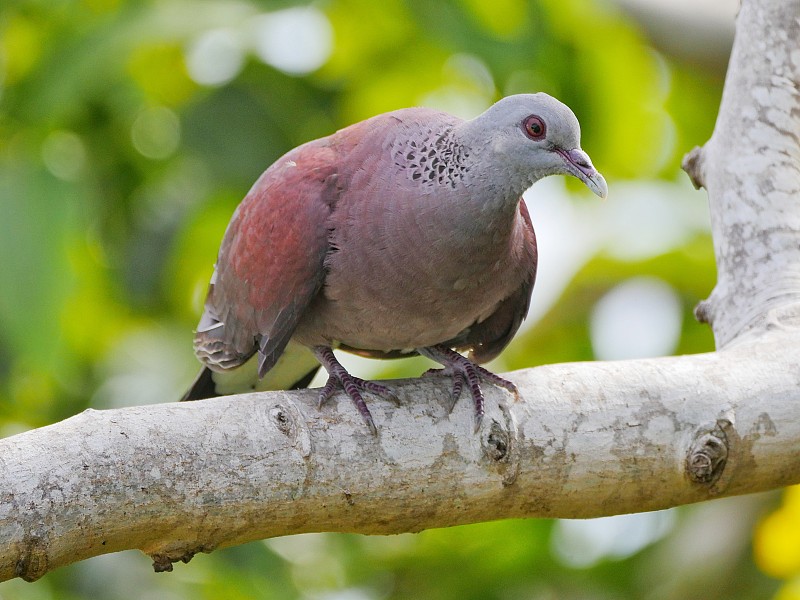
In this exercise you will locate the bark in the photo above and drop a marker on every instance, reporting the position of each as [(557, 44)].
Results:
[(751, 169), (580, 440)]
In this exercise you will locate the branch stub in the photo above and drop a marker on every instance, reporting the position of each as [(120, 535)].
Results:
[(708, 453)]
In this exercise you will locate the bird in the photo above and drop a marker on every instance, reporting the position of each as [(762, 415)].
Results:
[(398, 235)]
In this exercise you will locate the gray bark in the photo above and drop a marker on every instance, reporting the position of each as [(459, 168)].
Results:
[(580, 440)]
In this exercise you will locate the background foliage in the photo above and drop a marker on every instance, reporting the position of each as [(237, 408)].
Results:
[(129, 131)]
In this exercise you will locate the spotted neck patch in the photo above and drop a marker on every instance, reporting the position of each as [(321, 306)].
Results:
[(433, 159)]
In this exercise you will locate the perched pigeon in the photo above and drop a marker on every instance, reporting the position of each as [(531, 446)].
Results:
[(401, 234)]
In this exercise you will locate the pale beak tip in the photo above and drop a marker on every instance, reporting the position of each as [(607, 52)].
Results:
[(599, 186), (578, 164)]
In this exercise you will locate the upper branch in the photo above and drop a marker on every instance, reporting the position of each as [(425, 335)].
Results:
[(751, 169)]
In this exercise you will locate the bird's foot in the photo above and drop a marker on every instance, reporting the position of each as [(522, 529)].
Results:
[(464, 371), (339, 378)]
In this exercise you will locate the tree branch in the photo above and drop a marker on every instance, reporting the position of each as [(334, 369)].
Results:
[(751, 169), (581, 440)]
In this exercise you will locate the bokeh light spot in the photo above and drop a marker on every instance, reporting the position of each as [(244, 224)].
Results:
[(583, 543), (156, 132), (215, 57), (64, 155), (296, 40), (639, 318), (775, 544)]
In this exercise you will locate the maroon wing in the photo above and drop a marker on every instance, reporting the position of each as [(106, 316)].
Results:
[(270, 263), (487, 339)]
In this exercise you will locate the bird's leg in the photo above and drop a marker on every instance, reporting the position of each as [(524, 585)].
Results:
[(464, 370), (338, 377)]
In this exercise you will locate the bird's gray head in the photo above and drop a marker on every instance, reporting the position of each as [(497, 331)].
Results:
[(533, 136)]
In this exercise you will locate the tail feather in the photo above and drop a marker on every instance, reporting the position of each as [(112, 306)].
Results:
[(294, 370), (202, 387)]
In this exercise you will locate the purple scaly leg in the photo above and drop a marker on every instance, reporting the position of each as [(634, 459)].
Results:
[(463, 371), (338, 377)]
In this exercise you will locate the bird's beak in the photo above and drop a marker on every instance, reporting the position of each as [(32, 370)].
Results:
[(579, 164)]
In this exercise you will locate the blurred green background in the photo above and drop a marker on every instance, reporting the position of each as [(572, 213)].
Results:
[(129, 131)]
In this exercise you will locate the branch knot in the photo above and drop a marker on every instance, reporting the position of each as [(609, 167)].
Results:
[(32, 562), (693, 163), (501, 445), (708, 453), (162, 561)]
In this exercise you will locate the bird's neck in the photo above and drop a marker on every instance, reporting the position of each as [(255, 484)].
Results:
[(485, 210), (485, 172), (461, 182)]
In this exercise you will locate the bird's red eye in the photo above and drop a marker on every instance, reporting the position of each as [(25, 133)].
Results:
[(534, 127)]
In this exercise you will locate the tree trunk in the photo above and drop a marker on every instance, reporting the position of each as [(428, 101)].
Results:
[(581, 440)]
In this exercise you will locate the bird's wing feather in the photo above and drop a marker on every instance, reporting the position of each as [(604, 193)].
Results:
[(270, 263)]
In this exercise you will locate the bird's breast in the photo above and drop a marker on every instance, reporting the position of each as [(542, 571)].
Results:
[(408, 270)]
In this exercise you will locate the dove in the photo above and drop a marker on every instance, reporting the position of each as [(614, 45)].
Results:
[(402, 234)]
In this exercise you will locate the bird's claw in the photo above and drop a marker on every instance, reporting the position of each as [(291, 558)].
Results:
[(381, 390), (458, 386), (487, 375), (353, 386), (464, 371), (339, 378)]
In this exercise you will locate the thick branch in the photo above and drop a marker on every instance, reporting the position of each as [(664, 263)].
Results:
[(583, 440)]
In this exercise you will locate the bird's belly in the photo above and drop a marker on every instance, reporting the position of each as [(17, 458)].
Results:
[(376, 329), (409, 276), (405, 319)]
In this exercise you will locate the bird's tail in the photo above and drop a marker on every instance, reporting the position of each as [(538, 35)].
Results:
[(202, 387), (294, 370)]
